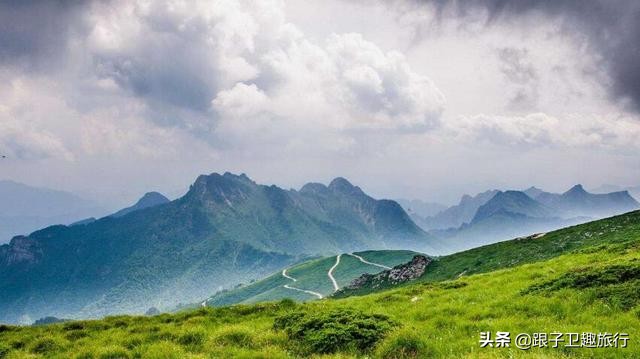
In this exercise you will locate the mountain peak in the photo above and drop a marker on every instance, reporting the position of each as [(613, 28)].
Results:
[(149, 199), (514, 202), (152, 198), (465, 198), (576, 190), (220, 188), (340, 183), (533, 192)]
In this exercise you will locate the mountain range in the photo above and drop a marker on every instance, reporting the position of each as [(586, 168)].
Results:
[(495, 215), (634, 191), (227, 229)]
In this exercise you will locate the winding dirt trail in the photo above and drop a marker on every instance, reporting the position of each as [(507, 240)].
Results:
[(367, 262), (330, 274), (284, 274)]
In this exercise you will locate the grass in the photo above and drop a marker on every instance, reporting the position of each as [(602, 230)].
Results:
[(311, 275), (432, 318)]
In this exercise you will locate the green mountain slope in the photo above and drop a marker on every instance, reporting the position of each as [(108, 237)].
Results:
[(615, 231), (583, 279), (312, 276), (226, 230)]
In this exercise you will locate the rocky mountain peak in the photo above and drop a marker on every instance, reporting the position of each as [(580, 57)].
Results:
[(220, 188), (341, 185)]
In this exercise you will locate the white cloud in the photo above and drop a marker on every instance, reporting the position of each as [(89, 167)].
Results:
[(21, 141), (193, 87), (23, 133), (189, 56), (603, 132)]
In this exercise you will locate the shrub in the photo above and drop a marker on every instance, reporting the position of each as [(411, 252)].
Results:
[(624, 296), (287, 303), (133, 342), (45, 346), (192, 338), (235, 337), (161, 336), (161, 350), (453, 285), (589, 278), (4, 350), (114, 353), (76, 334), (85, 355), (73, 326), (618, 285), (18, 344), (334, 330), (404, 345)]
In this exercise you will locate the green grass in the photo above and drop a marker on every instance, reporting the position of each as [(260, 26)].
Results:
[(615, 230), (432, 318), (311, 275)]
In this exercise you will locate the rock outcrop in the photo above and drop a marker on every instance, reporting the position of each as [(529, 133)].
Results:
[(398, 274)]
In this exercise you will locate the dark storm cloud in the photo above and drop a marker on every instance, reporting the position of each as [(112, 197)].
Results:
[(33, 33), (612, 27), (169, 72)]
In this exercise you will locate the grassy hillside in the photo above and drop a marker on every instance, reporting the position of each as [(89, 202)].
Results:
[(312, 276), (587, 279), (618, 230), (226, 230)]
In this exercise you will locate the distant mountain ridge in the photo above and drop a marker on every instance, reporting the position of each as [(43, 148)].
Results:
[(494, 215), (24, 209), (578, 202), (455, 216), (421, 209), (227, 229), (150, 199), (634, 191)]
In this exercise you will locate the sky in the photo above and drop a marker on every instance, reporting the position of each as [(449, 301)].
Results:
[(406, 98)]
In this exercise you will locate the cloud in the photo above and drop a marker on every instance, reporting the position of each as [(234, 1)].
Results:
[(34, 34), (610, 26), (517, 68), (19, 140), (588, 132), (128, 93), (142, 78)]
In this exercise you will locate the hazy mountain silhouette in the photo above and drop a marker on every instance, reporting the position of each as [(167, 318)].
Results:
[(150, 199), (24, 209)]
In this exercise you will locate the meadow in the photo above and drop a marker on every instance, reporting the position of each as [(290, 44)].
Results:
[(590, 283)]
